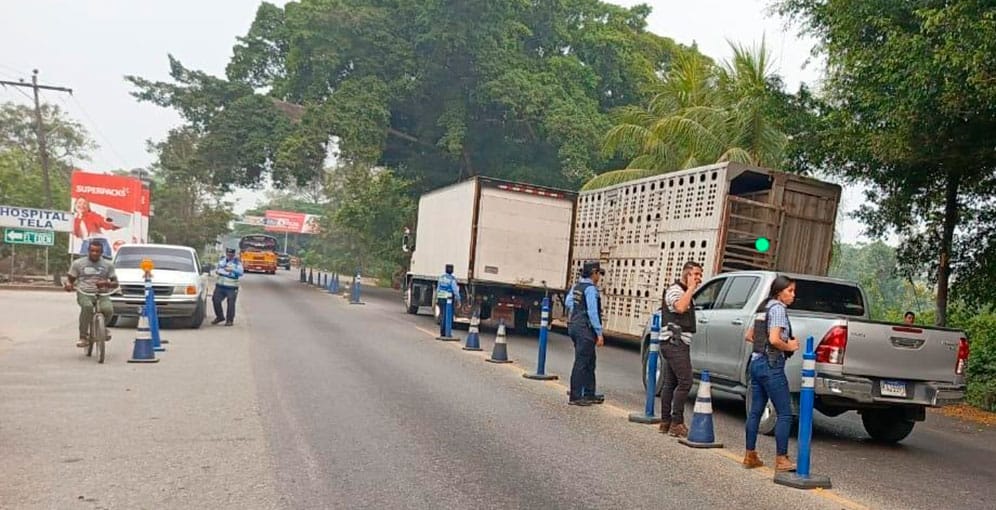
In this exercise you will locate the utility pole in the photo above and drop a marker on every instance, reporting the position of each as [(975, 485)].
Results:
[(40, 129)]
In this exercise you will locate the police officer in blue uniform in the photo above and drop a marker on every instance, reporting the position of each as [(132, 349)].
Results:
[(585, 329), (446, 288)]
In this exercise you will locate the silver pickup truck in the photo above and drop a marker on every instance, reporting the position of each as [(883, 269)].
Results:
[(889, 373)]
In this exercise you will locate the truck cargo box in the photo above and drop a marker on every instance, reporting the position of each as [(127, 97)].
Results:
[(643, 231), (496, 233)]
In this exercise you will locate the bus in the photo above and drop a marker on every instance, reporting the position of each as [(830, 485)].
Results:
[(259, 253)]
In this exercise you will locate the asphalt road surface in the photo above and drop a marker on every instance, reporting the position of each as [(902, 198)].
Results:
[(309, 402)]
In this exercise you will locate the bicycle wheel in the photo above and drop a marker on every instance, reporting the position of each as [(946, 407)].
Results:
[(99, 336)]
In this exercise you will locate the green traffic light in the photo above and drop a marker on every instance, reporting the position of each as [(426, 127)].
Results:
[(762, 244)]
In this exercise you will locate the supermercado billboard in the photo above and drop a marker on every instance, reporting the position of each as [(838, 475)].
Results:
[(291, 222), (112, 209)]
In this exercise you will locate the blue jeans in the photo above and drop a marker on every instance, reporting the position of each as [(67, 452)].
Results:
[(768, 381)]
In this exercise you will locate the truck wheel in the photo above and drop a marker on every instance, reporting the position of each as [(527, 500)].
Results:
[(113, 322), (887, 425), (768, 417), (411, 307), (521, 324), (660, 369)]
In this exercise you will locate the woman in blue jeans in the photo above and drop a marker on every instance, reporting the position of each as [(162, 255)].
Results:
[(773, 343)]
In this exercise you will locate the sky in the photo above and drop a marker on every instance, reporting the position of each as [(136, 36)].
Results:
[(91, 45)]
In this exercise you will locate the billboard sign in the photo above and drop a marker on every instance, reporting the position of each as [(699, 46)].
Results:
[(292, 222), (110, 209)]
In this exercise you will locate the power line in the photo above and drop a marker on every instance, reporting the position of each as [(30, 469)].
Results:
[(40, 128), (104, 138)]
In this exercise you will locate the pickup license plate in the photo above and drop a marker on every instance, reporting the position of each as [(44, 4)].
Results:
[(894, 389)]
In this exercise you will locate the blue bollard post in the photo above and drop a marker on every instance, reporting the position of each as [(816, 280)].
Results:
[(355, 298), (541, 374), (653, 355), (447, 319), (335, 283), (802, 478)]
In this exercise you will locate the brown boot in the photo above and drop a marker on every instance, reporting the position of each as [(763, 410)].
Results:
[(664, 427), (751, 460), (678, 430), (784, 464)]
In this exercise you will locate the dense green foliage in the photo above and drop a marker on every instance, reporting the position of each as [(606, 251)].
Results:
[(436, 91), (910, 111), (702, 114), (188, 209)]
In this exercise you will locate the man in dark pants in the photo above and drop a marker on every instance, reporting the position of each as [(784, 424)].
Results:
[(585, 329), (229, 271), (678, 317), (446, 288)]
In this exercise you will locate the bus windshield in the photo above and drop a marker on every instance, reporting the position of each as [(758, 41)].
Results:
[(258, 242)]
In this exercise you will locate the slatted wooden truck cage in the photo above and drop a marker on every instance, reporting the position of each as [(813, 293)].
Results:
[(643, 231)]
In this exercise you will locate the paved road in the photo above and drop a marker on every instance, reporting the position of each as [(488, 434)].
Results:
[(309, 402)]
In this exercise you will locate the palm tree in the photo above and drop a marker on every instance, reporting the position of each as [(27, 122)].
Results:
[(702, 114)]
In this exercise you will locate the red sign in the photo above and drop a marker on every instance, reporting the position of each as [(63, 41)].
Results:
[(106, 208), (292, 222)]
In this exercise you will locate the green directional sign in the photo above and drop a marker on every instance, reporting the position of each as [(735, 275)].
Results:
[(24, 236)]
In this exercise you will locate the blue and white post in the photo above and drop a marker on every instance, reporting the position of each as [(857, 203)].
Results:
[(802, 478), (653, 356), (355, 298), (447, 322), (541, 374)]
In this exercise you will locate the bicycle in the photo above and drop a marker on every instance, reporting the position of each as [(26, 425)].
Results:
[(98, 328)]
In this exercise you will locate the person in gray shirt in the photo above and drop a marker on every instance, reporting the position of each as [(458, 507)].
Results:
[(92, 274)]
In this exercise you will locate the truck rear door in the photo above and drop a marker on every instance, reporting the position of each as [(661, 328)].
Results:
[(900, 352)]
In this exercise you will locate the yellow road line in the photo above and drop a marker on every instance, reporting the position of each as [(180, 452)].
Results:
[(766, 471)]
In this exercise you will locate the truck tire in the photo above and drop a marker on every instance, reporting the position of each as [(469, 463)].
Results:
[(887, 425), (660, 369), (521, 322), (768, 417), (411, 306)]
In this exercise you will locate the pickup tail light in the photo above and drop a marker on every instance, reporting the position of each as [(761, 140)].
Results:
[(962, 357), (832, 347)]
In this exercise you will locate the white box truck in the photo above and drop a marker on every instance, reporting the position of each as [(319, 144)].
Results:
[(509, 243), (643, 231)]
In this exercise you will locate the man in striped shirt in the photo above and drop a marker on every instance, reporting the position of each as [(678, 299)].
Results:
[(678, 317)]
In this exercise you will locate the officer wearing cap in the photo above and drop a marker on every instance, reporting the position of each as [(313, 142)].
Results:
[(229, 271), (584, 326), (446, 288)]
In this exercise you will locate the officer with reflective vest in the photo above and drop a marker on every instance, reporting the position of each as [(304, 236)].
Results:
[(584, 326), (446, 288)]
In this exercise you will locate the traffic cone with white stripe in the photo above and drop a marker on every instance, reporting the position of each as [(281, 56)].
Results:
[(500, 352), (473, 333), (143, 351), (701, 434)]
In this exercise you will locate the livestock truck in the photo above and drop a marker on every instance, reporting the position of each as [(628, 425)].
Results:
[(509, 244), (643, 231)]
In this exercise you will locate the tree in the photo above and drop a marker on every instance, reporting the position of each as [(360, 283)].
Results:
[(910, 90), (702, 114), (188, 209), (436, 91), (20, 167)]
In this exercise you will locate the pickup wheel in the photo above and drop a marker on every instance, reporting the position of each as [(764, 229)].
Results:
[(887, 425), (768, 417), (660, 369)]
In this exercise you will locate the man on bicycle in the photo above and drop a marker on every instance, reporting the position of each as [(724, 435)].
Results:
[(92, 274)]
